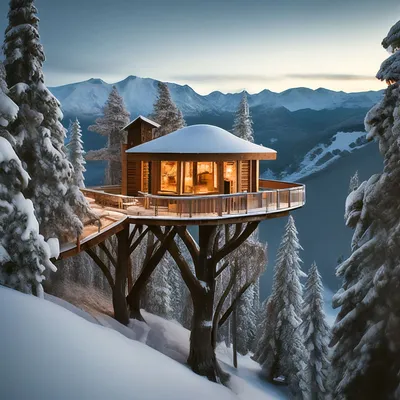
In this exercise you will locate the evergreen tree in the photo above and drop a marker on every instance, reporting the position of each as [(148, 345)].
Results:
[(176, 283), (166, 113), (315, 334), (283, 353), (3, 85), (243, 125), (59, 205), (159, 292), (366, 356), (354, 182), (76, 154), (115, 117), (263, 324), (24, 254), (246, 322)]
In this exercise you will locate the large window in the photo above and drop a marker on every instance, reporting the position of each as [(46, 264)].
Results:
[(169, 176), (200, 177), (230, 177)]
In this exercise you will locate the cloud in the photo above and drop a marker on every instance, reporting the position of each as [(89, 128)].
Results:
[(331, 77), (269, 78), (223, 78)]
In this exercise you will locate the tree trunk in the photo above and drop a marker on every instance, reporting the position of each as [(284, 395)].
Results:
[(151, 261), (202, 357), (119, 290)]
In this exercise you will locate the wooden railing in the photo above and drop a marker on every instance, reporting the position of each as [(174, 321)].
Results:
[(274, 196)]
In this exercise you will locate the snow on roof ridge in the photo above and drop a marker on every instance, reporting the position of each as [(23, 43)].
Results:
[(204, 138), (149, 121)]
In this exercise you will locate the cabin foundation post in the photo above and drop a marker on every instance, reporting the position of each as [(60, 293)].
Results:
[(121, 271)]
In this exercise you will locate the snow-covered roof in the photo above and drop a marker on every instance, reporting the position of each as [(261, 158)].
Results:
[(196, 140), (149, 121)]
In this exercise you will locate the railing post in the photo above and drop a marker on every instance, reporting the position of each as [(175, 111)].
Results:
[(78, 243), (220, 207), (190, 208), (278, 199), (290, 195), (247, 203)]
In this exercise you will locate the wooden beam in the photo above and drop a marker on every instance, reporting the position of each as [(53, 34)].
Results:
[(107, 252), (102, 266)]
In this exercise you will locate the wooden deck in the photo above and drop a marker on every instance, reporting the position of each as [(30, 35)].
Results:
[(275, 199), (274, 196)]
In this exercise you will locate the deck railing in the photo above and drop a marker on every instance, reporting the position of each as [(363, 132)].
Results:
[(273, 196)]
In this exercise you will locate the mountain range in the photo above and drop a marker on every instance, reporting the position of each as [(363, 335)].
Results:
[(88, 98)]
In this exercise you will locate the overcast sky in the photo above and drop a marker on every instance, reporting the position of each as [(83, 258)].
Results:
[(226, 45)]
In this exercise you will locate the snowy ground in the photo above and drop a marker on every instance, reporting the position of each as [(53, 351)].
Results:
[(54, 350)]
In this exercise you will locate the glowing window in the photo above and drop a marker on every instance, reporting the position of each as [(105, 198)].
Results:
[(169, 176)]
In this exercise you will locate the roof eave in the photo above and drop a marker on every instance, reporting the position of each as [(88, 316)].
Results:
[(200, 156)]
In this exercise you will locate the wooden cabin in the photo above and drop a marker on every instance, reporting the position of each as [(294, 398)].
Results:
[(196, 160)]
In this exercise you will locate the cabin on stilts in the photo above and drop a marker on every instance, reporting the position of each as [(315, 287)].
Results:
[(199, 175), (197, 172)]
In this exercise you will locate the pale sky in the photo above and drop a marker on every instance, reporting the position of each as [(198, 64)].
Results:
[(226, 45)]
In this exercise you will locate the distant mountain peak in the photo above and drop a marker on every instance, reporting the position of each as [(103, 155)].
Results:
[(96, 81), (140, 94)]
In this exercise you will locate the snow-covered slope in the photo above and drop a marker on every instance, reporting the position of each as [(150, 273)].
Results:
[(322, 155), (49, 353), (87, 98), (53, 350)]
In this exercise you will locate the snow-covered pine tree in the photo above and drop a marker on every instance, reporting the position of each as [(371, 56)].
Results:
[(176, 283), (366, 357), (3, 85), (166, 113), (246, 322), (158, 292), (24, 254), (354, 182), (283, 353), (59, 205), (316, 334), (115, 117), (256, 310), (243, 125), (76, 154)]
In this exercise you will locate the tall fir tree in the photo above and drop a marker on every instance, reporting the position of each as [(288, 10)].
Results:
[(246, 322), (76, 154), (176, 283), (166, 113), (59, 205), (158, 293), (366, 357), (115, 117), (243, 125), (283, 353), (315, 333), (24, 254)]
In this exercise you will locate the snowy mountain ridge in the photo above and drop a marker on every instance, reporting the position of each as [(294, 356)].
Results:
[(88, 98), (322, 155)]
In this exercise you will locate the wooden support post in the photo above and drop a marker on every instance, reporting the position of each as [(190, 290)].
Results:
[(278, 199), (119, 291), (234, 337), (78, 243)]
